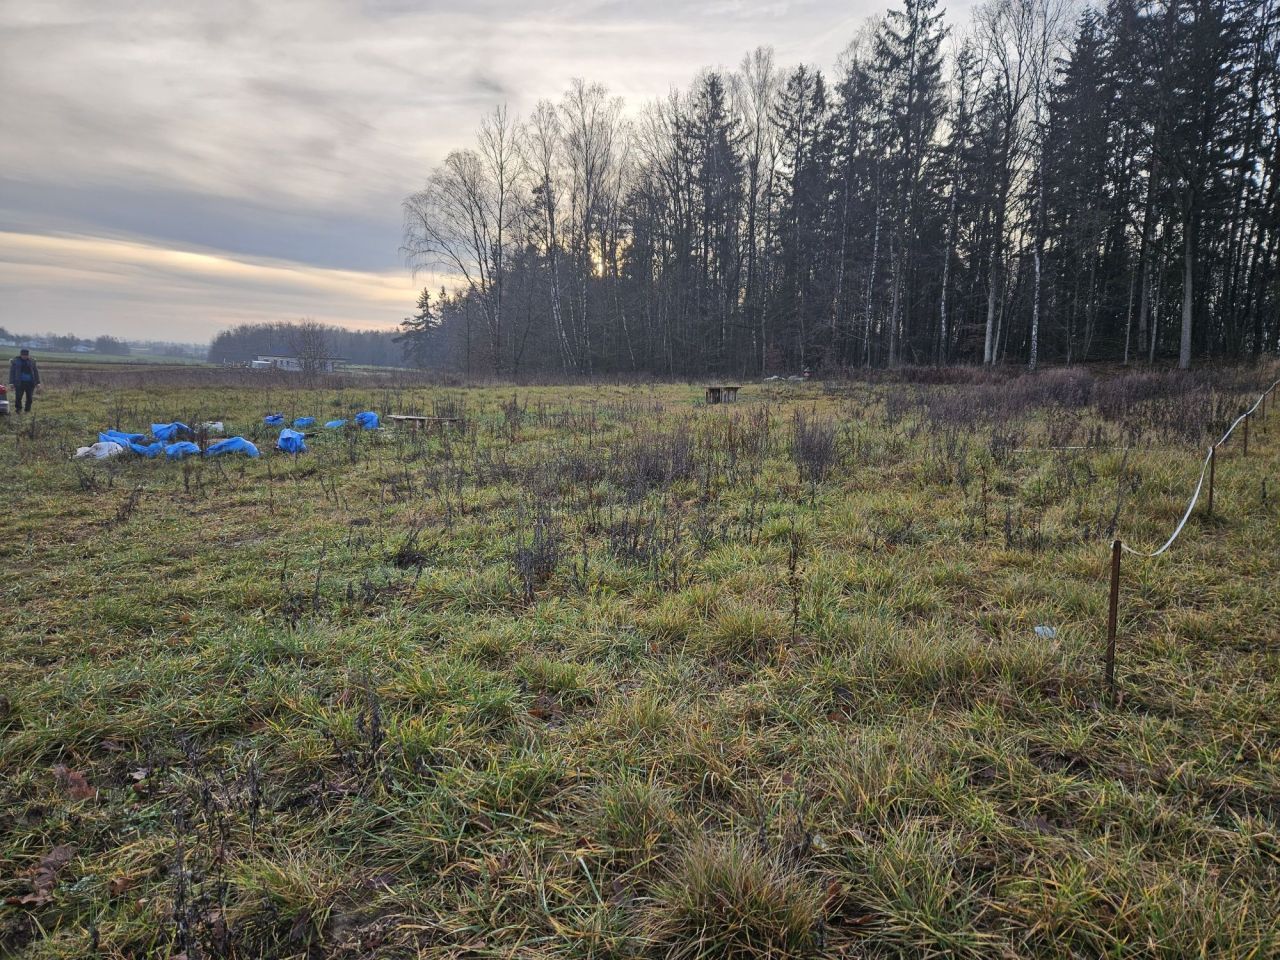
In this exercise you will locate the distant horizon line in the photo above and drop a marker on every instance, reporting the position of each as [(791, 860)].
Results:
[(39, 341)]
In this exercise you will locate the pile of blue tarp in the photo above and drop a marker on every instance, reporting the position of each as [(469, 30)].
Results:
[(169, 431), (120, 437), (231, 445), (291, 441), (183, 448), (166, 437), (147, 450), (177, 449), (367, 420)]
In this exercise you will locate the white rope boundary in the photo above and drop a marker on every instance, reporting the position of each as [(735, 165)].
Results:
[(1204, 468)]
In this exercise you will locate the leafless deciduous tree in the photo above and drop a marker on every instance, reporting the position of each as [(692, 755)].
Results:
[(1060, 185), (465, 222), (309, 342)]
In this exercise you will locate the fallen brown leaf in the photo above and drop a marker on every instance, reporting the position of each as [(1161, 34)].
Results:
[(44, 876), (119, 885), (73, 782)]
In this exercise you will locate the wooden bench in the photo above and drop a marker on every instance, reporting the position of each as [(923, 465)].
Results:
[(417, 422), (722, 394)]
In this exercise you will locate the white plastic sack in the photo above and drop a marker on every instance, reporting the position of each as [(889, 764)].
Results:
[(100, 450), (214, 426)]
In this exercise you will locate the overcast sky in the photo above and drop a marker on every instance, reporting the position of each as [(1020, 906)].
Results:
[(172, 167)]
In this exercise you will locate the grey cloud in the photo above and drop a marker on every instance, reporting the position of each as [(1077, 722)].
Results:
[(293, 128), (301, 233), (488, 86)]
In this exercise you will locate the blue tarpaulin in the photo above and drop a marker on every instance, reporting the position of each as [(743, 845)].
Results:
[(291, 441), (368, 420), (304, 422), (120, 437), (168, 431), (147, 449), (232, 445), (274, 419), (176, 451), (335, 424)]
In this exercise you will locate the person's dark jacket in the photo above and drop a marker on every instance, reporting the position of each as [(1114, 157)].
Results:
[(15, 371)]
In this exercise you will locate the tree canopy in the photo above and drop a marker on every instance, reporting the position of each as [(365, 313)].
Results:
[(1042, 184)]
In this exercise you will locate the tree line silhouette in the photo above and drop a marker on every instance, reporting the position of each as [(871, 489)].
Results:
[(1045, 185)]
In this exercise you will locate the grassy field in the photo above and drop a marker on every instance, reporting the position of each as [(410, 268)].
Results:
[(610, 673), (51, 359)]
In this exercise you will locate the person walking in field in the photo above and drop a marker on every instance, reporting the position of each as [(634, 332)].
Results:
[(25, 377)]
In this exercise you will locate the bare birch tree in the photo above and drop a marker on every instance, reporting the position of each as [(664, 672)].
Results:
[(464, 221)]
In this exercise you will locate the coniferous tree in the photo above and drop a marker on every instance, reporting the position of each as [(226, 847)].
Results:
[(1053, 192), (417, 332)]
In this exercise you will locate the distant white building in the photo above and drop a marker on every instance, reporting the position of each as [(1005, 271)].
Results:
[(82, 348), (295, 364)]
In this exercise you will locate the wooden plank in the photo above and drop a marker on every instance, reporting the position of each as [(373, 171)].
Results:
[(721, 394)]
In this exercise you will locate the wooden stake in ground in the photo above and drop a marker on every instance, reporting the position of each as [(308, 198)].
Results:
[(1213, 462), (1112, 610), (1245, 453)]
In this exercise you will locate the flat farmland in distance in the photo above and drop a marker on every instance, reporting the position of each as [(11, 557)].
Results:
[(603, 671), (49, 358)]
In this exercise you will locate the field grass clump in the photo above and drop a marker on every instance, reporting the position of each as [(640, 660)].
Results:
[(605, 672), (722, 898), (635, 817)]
